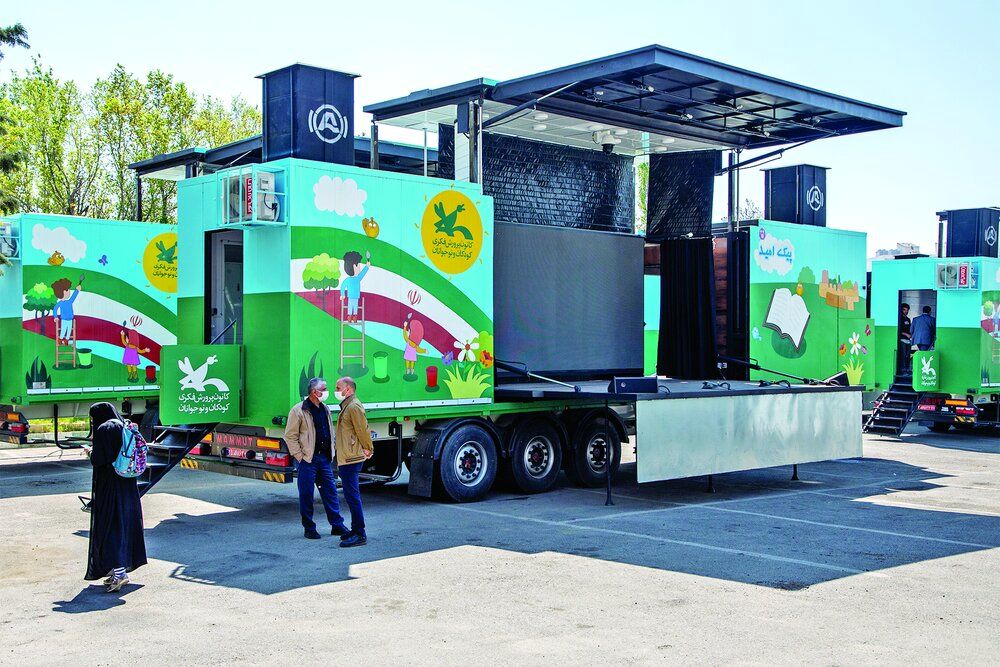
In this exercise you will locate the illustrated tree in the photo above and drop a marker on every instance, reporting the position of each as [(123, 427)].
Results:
[(40, 299), (321, 273), (10, 36), (806, 276)]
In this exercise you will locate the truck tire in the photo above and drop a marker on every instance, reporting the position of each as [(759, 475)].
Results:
[(585, 465), (535, 456), (939, 427), (468, 464)]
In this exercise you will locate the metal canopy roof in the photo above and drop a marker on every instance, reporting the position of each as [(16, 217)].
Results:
[(670, 93), (393, 156)]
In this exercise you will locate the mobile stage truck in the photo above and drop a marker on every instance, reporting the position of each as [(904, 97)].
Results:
[(957, 381), (492, 316)]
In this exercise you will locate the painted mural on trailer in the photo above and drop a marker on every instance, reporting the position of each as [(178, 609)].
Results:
[(397, 275), (98, 304), (808, 302), (989, 323)]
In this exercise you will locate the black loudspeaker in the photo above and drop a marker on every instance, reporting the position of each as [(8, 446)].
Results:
[(633, 386), (840, 380)]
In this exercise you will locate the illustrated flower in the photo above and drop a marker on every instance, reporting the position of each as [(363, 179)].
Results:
[(855, 341), (466, 350)]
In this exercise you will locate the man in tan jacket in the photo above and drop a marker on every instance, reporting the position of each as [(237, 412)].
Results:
[(308, 436), (354, 447)]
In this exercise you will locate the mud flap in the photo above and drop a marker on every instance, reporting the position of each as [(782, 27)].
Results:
[(422, 463)]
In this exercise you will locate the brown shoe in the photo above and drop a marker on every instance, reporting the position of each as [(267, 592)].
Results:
[(117, 583)]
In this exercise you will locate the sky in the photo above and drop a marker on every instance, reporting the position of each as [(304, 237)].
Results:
[(936, 61)]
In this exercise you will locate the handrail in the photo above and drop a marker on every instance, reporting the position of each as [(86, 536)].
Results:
[(223, 332)]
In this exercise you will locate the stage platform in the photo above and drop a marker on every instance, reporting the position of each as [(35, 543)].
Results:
[(688, 428), (668, 389)]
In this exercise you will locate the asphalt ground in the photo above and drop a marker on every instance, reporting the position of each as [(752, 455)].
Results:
[(891, 558)]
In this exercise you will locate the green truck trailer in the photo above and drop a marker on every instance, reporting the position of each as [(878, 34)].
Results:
[(484, 345), (956, 382), (86, 308)]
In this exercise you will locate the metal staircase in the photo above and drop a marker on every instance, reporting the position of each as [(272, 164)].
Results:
[(894, 408), (166, 451)]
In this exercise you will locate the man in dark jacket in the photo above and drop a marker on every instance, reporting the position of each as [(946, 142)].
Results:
[(308, 434), (354, 447)]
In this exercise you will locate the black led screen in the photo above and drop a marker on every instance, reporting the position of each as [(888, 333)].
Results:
[(568, 302)]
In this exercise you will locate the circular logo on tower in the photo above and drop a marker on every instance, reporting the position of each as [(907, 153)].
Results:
[(327, 123), (814, 197), (159, 262), (452, 231), (991, 236)]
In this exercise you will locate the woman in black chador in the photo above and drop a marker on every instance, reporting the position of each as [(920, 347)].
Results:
[(117, 545)]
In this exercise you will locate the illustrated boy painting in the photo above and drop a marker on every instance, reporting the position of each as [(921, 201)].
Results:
[(62, 312), (350, 287)]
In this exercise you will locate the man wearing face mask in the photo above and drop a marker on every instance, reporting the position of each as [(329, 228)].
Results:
[(308, 436), (354, 447)]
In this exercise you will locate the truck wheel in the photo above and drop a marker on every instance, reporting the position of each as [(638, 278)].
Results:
[(468, 464), (587, 462), (535, 457), (939, 427)]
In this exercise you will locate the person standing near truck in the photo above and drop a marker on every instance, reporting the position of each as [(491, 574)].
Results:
[(354, 447), (904, 337), (308, 436), (924, 329)]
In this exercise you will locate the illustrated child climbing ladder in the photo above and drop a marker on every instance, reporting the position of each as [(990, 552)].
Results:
[(65, 321), (352, 306)]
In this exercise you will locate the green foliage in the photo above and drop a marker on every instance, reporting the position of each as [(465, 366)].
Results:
[(321, 273), (806, 276), (466, 385), (37, 374), (854, 370), (313, 370), (848, 285), (40, 299), (641, 194), (13, 35), (10, 157), (73, 148)]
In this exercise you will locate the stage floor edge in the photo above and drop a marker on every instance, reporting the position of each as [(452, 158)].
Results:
[(713, 433)]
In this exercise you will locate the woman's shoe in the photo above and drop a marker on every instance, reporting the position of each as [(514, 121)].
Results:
[(117, 583)]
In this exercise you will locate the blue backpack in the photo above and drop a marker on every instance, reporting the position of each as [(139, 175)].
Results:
[(131, 461)]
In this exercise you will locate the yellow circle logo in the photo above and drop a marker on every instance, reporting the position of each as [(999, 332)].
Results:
[(159, 261), (452, 231)]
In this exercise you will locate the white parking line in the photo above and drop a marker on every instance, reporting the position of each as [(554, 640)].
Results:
[(667, 540)]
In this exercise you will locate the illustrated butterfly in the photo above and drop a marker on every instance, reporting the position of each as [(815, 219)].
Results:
[(103, 261), (448, 358), (868, 330), (486, 359), (864, 350), (843, 349)]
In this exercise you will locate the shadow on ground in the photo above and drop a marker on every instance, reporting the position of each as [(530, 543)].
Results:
[(759, 527), (94, 598)]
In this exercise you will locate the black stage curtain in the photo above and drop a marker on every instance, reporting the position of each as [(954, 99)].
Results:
[(687, 348)]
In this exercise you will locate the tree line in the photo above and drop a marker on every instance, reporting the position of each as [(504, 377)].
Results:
[(66, 149)]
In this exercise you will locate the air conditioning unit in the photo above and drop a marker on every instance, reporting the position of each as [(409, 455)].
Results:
[(268, 207), (8, 241), (240, 200)]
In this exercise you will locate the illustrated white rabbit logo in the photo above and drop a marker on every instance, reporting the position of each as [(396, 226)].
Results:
[(194, 378), (926, 369)]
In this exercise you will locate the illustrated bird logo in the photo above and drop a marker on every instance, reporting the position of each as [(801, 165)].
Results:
[(370, 226), (56, 259), (167, 255)]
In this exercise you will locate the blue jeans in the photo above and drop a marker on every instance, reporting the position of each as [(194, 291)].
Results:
[(352, 495), (318, 473)]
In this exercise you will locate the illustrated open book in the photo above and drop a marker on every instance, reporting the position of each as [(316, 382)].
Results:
[(787, 315)]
